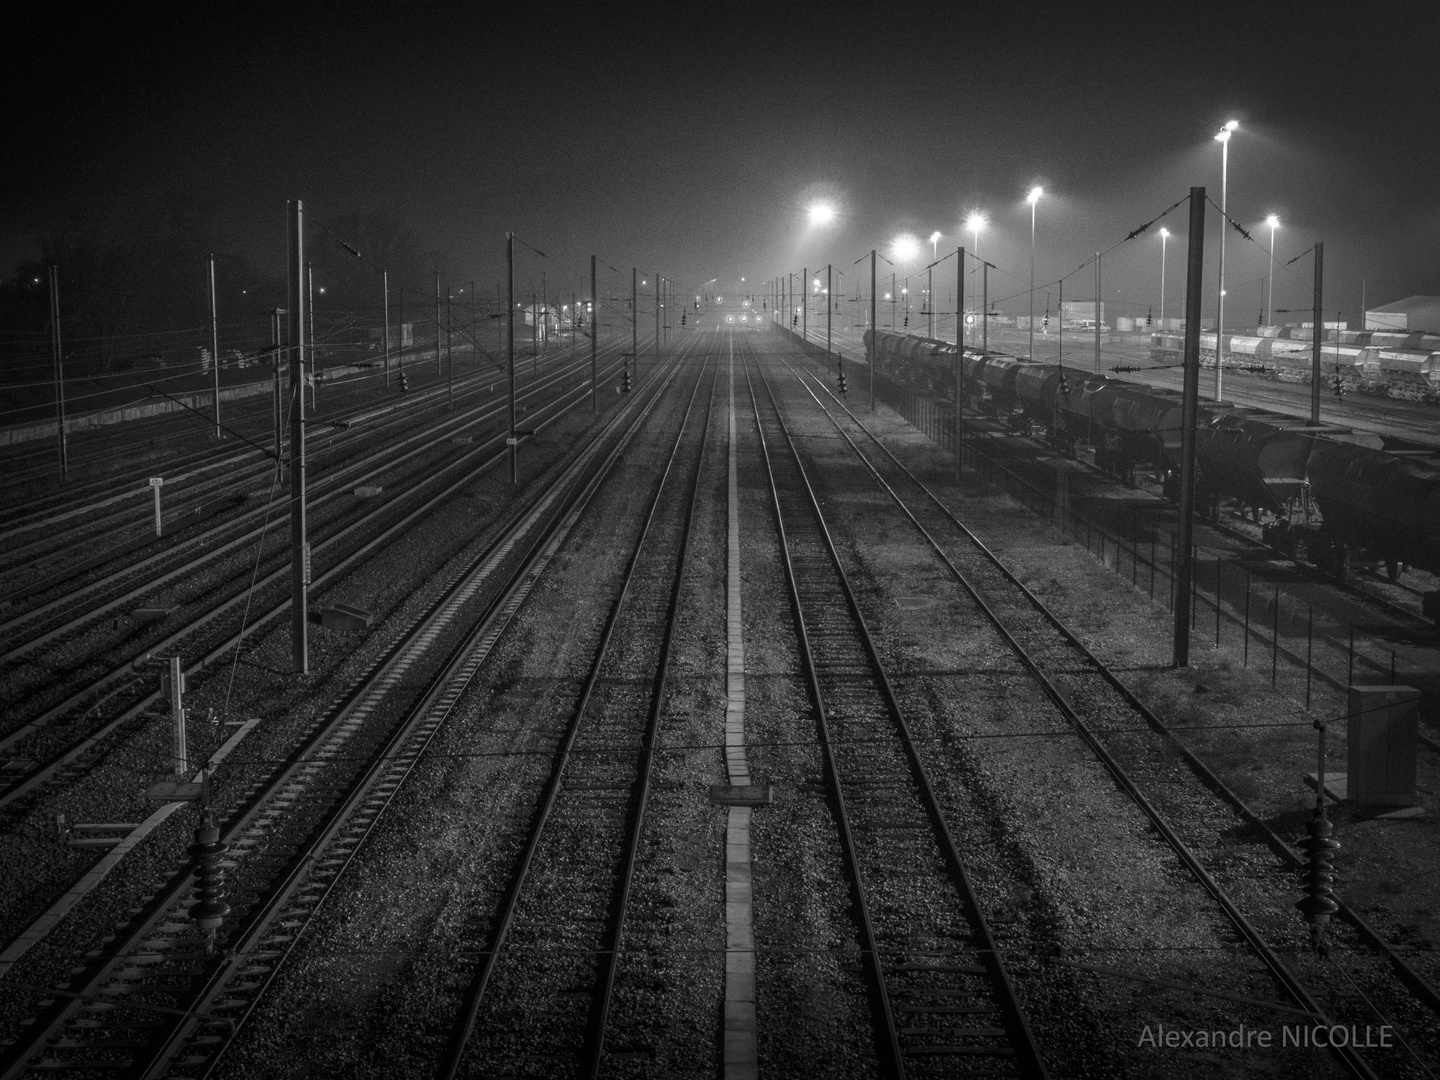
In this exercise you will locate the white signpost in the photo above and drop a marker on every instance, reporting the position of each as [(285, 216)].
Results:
[(156, 482)]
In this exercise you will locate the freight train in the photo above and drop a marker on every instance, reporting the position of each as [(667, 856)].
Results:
[(1373, 504), (1392, 363)]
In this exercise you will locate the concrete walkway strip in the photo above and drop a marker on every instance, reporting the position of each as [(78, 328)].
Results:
[(740, 1051)]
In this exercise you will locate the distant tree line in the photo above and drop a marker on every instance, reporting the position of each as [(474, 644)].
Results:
[(133, 283)]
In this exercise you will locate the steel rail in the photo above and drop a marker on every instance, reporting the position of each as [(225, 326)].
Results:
[(1424, 990), (43, 771), (1021, 1037), (550, 506), (1272, 961), (371, 464), (507, 912), (343, 838)]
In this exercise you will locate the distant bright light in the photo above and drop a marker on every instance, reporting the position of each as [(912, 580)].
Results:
[(975, 223), (905, 248), (935, 236), (1164, 232), (1273, 221), (822, 214), (1034, 196), (1224, 134)]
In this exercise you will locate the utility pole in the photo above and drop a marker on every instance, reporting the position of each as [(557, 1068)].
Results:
[(959, 364), (1316, 337), (1189, 411), (534, 337), (594, 334), (437, 322), (385, 286), (634, 321), (805, 304), (449, 357), (400, 353), (657, 326), (510, 333), (59, 363), (215, 346), (545, 306), (299, 543)]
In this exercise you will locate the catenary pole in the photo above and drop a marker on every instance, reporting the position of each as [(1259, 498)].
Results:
[(805, 305), (58, 360), (1189, 410), (657, 328), (959, 361), (874, 330), (510, 351), (215, 347), (310, 329), (829, 291), (449, 356), (299, 544), (437, 322), (1316, 338), (1098, 319), (985, 306), (594, 334), (385, 289), (635, 319)]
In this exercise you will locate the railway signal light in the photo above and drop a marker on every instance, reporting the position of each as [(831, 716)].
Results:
[(625, 380), (1338, 386), (404, 382), (682, 317), (843, 387)]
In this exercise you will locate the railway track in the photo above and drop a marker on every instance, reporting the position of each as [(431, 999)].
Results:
[(165, 996), (941, 996), (1092, 699), (117, 697), (549, 968)]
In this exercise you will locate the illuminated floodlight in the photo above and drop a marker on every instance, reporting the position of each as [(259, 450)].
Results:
[(1224, 133), (975, 223), (1272, 222), (905, 248), (1034, 196), (822, 214)]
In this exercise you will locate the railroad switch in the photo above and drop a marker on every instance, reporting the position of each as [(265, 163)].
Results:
[(207, 851), (1319, 904)]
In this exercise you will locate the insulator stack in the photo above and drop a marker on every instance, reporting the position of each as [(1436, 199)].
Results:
[(1319, 903), (207, 851)]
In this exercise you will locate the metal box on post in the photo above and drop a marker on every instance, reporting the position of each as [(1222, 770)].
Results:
[(1381, 733)]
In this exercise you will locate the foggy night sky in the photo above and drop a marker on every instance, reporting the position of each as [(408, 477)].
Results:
[(688, 138)]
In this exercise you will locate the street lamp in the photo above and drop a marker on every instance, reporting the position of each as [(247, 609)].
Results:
[(974, 224), (1164, 236), (1223, 138), (1274, 223), (1032, 199), (822, 214), (934, 237)]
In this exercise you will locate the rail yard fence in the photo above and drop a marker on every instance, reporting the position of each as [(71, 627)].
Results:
[(1264, 611)]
